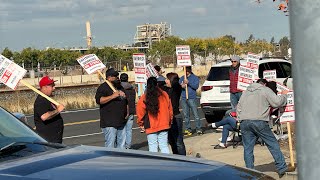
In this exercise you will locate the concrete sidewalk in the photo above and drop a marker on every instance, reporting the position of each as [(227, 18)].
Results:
[(263, 160)]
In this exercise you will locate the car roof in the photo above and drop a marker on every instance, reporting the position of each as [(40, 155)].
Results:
[(227, 62)]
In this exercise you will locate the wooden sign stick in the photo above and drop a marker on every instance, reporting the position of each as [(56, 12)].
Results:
[(290, 144), (108, 82), (185, 77), (39, 92)]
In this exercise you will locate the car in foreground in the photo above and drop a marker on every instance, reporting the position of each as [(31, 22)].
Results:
[(25, 155), (215, 96)]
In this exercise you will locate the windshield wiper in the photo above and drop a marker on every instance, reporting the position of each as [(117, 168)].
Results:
[(17, 146), (49, 144), (12, 148)]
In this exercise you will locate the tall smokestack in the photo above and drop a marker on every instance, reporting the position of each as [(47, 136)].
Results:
[(89, 37)]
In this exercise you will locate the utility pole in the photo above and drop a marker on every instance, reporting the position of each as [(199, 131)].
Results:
[(304, 30)]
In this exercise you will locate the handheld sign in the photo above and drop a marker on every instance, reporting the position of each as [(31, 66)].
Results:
[(139, 63), (245, 77), (270, 75), (11, 74), (151, 71), (183, 55), (184, 59), (253, 62), (91, 64)]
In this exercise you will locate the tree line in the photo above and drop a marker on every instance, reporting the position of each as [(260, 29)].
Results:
[(163, 51)]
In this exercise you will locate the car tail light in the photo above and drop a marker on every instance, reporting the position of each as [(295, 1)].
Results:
[(206, 88)]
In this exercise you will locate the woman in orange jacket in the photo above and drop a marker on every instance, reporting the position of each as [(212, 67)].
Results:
[(154, 114)]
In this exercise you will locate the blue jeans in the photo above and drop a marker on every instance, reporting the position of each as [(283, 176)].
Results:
[(129, 132), (175, 136), (190, 104), (234, 99), (253, 129), (158, 139), (229, 124), (114, 137)]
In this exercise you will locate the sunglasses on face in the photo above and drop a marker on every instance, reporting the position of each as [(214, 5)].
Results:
[(234, 61)]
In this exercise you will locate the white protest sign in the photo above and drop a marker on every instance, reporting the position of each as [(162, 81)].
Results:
[(183, 55), (281, 87), (90, 63), (288, 114), (139, 63), (245, 77), (270, 75), (151, 71), (253, 63), (10, 72)]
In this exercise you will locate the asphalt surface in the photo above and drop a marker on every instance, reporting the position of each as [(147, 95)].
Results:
[(83, 127)]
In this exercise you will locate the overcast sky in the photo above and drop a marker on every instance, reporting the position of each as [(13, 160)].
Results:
[(61, 23)]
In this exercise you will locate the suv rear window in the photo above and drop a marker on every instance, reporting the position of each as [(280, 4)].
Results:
[(218, 74)]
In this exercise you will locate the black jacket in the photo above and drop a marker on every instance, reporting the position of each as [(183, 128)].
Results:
[(174, 93), (131, 96)]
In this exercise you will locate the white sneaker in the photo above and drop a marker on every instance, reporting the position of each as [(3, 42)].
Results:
[(228, 139)]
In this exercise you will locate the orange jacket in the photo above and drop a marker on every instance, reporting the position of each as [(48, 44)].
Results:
[(165, 115)]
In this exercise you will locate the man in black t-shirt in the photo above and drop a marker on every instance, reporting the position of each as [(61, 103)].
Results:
[(113, 111), (47, 118)]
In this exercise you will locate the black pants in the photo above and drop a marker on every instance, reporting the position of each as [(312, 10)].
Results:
[(175, 136)]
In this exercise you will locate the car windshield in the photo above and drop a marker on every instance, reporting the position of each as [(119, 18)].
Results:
[(13, 134), (218, 74)]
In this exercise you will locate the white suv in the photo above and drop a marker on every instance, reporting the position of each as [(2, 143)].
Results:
[(215, 96)]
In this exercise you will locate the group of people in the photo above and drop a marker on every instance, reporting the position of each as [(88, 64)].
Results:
[(159, 116), (157, 111), (252, 109)]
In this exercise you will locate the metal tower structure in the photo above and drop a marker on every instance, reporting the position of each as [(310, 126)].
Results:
[(148, 33)]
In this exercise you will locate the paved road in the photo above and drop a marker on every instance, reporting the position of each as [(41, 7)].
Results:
[(82, 127)]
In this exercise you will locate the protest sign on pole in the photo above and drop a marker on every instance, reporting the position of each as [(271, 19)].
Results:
[(288, 114), (151, 71), (139, 63), (92, 64), (11, 74), (245, 77), (184, 59), (270, 75), (253, 63), (183, 55)]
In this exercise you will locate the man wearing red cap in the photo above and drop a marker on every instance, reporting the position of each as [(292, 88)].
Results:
[(47, 118)]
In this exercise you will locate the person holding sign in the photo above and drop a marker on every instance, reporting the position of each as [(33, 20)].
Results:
[(235, 93), (47, 117), (189, 102), (253, 112), (113, 111)]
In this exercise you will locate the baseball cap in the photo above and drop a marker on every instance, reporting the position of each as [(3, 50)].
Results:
[(111, 72), (46, 80), (235, 58)]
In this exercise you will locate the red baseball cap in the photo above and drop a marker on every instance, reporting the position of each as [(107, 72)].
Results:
[(46, 80)]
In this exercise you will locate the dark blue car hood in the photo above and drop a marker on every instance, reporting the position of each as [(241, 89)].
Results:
[(88, 162)]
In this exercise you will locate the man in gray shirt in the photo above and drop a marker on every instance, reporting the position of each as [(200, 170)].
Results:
[(253, 112)]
